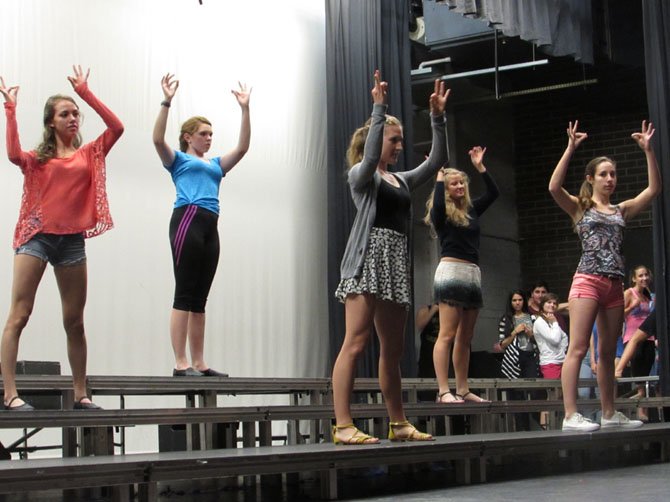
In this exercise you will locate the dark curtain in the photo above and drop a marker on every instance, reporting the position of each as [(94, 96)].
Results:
[(656, 19), (557, 27), (361, 36)]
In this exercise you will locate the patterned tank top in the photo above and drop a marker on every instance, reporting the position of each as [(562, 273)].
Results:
[(601, 236)]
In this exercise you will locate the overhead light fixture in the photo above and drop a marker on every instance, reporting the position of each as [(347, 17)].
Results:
[(493, 69), (426, 66)]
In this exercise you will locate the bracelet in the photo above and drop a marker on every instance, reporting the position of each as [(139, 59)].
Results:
[(166, 104)]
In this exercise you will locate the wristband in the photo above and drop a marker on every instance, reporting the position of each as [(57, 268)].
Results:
[(166, 104)]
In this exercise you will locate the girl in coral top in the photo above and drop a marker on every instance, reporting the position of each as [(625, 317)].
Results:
[(64, 201)]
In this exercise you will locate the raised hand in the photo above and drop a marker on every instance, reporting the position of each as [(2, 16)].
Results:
[(9, 93), (169, 85), (438, 99), (242, 95), (476, 154), (380, 89), (575, 137), (79, 77), (643, 138)]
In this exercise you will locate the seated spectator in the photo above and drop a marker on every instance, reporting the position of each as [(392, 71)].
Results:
[(640, 351), (427, 324), (588, 371), (638, 303), (539, 291), (551, 340), (515, 331)]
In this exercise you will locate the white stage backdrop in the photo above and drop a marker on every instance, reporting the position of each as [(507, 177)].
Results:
[(267, 312)]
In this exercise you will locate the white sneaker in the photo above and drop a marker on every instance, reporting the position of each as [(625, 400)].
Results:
[(577, 422), (620, 420)]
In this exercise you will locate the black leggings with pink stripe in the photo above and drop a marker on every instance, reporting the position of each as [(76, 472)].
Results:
[(194, 239)]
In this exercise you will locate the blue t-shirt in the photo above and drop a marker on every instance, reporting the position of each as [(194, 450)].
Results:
[(197, 182)]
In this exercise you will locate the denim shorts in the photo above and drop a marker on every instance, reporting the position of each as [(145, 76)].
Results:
[(59, 250), (607, 291)]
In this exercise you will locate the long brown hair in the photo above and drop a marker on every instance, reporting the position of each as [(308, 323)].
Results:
[(586, 190), (46, 150), (633, 273), (357, 143), (456, 211)]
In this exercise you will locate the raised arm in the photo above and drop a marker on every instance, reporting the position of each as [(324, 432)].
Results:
[(568, 203), (114, 126), (438, 214), (482, 203), (14, 152), (169, 85), (362, 173), (631, 207), (439, 152), (228, 161)]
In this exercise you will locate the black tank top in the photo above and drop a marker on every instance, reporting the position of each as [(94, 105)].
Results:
[(393, 207)]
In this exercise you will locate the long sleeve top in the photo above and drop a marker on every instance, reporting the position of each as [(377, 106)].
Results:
[(64, 195), (364, 181), (551, 340), (457, 241)]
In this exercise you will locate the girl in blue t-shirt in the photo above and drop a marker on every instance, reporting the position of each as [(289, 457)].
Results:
[(194, 236)]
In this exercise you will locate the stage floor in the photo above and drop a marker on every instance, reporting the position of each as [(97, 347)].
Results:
[(648, 483)]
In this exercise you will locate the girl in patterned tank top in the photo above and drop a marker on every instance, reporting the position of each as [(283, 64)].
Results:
[(596, 294)]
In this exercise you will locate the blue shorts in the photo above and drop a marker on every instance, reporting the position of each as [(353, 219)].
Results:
[(59, 250)]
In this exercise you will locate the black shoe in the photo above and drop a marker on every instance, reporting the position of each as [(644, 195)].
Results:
[(187, 372), (22, 407), (78, 405), (213, 373)]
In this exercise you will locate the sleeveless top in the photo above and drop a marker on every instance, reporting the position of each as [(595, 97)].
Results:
[(636, 316), (601, 236)]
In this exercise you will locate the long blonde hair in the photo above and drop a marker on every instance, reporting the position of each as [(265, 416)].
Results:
[(357, 143), (586, 190), (456, 211)]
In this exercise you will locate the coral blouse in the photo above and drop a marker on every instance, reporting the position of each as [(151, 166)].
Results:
[(64, 195)]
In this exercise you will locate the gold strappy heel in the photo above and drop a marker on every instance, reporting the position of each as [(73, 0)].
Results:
[(358, 437), (414, 434)]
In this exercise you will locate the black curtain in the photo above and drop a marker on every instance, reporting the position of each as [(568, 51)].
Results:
[(656, 19), (361, 36)]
